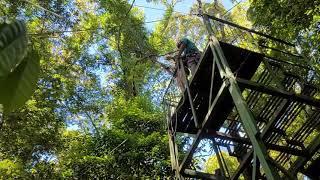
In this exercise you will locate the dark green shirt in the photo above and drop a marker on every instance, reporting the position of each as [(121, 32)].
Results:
[(190, 47)]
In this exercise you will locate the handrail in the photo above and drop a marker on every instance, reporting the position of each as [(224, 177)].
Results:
[(249, 30)]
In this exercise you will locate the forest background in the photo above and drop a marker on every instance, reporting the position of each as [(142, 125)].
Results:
[(96, 110)]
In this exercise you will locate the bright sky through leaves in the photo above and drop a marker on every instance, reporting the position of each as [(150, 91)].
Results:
[(183, 6)]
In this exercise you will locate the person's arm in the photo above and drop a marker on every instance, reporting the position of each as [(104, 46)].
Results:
[(169, 69), (170, 57)]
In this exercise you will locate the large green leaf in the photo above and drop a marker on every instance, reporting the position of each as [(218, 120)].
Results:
[(13, 46), (20, 84)]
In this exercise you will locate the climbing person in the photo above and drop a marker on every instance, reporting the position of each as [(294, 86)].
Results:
[(176, 72), (190, 56), (189, 53)]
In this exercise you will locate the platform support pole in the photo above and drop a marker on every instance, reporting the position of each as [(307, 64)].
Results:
[(186, 85), (301, 161), (246, 116)]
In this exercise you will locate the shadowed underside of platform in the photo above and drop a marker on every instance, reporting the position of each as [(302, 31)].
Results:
[(200, 87)]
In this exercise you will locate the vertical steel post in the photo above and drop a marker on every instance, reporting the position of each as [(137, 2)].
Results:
[(218, 157), (189, 93), (301, 161), (246, 116), (212, 80), (242, 107), (254, 171)]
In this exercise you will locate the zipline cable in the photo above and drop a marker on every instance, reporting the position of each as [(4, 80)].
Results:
[(158, 9), (40, 7), (231, 8), (61, 32)]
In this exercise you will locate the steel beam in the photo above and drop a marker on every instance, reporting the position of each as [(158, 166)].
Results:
[(241, 140), (216, 150), (243, 165), (277, 92), (254, 168), (289, 175), (281, 51), (246, 116), (264, 133), (248, 30), (200, 175), (194, 114), (272, 73), (212, 81), (195, 143), (270, 59), (301, 161)]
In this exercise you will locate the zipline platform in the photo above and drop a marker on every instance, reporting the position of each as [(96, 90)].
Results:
[(200, 88), (264, 111)]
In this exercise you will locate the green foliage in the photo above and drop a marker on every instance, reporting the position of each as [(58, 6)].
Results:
[(36, 131), (18, 74), (212, 163), (294, 21), (291, 16), (132, 144), (138, 121), (119, 132), (13, 47), (10, 169), (20, 84), (136, 114)]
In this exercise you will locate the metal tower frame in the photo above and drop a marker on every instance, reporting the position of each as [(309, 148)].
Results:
[(240, 96)]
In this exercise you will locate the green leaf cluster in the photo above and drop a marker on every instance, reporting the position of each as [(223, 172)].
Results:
[(18, 72)]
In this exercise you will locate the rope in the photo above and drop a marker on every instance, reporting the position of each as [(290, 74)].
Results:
[(40, 7), (61, 32), (130, 8), (86, 167), (231, 9), (159, 20), (93, 29), (159, 9)]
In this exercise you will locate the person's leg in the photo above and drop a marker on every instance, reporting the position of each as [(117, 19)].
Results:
[(192, 66), (194, 63), (180, 80)]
